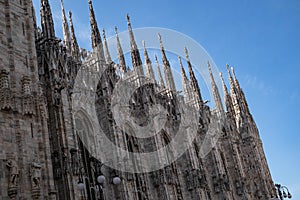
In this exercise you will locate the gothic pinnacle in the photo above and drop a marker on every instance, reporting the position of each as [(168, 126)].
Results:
[(66, 31), (166, 67), (194, 83), (148, 63), (215, 90), (232, 86), (146, 56), (47, 20), (227, 97), (121, 57), (182, 69), (185, 81), (107, 54), (164, 57), (95, 34), (236, 82), (223, 84), (135, 54), (240, 93), (161, 80), (74, 44)]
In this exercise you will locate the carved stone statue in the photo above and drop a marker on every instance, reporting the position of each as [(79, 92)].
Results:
[(56, 98), (14, 172), (35, 175)]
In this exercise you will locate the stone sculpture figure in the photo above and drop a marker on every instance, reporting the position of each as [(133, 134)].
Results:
[(35, 175), (14, 172)]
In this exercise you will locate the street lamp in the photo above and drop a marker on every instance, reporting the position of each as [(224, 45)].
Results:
[(101, 179), (98, 178), (80, 186), (116, 180), (282, 191)]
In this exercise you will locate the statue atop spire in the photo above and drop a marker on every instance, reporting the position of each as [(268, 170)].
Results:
[(95, 34), (194, 83), (233, 90), (135, 54), (166, 67), (148, 63), (161, 80), (107, 54), (236, 82), (241, 95), (74, 45), (227, 98), (66, 31), (121, 57), (185, 82), (230, 77), (236, 99), (225, 90), (215, 90), (47, 20)]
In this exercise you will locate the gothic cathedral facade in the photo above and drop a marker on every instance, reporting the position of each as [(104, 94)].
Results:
[(42, 156)]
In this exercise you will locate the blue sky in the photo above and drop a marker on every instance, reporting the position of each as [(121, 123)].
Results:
[(260, 38)]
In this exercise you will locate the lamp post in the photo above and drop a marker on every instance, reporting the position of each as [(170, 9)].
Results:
[(116, 180), (282, 192), (98, 179)]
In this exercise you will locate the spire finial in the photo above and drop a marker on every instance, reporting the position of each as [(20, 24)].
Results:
[(95, 33), (121, 57), (194, 83), (156, 59), (148, 63), (135, 54), (185, 82), (144, 44), (107, 54), (230, 77), (128, 18), (228, 70), (234, 76), (236, 82), (227, 98), (47, 20), (161, 80), (224, 85), (66, 31), (160, 41), (187, 54), (180, 61), (116, 30), (182, 68), (147, 59), (215, 90), (166, 67), (103, 33), (74, 44)]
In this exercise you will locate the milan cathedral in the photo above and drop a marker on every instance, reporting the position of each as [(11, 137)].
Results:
[(42, 155)]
